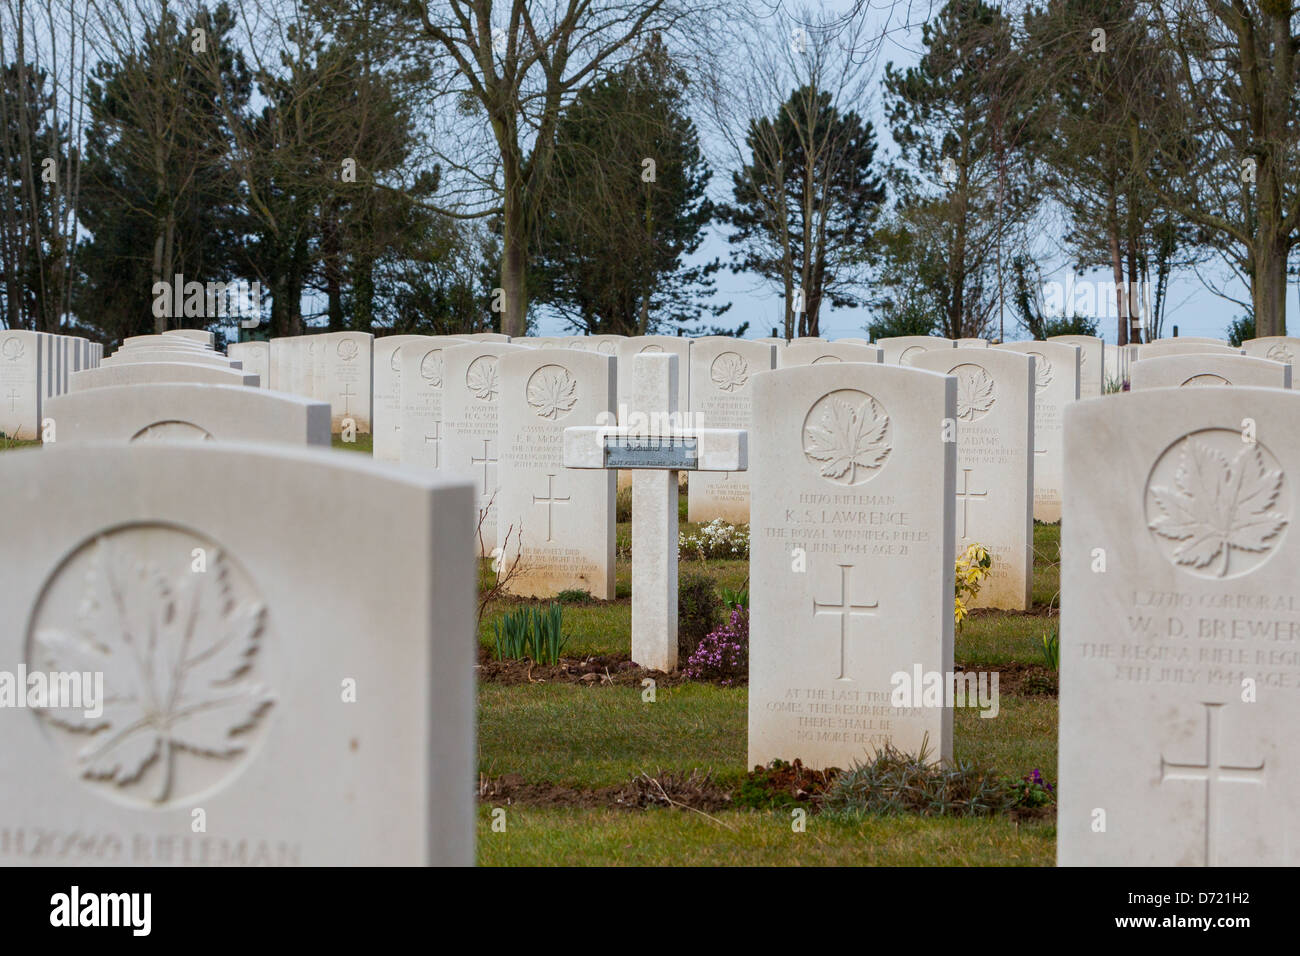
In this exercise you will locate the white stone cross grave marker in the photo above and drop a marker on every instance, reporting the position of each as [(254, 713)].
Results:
[(653, 444)]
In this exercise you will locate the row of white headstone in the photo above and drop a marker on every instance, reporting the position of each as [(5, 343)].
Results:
[(478, 409), (34, 367), (1180, 620), (494, 413), (1178, 615)]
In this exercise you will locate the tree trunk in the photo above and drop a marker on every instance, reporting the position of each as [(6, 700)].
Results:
[(166, 268), (363, 295), (514, 252), (1116, 269), (1268, 292), (1132, 295), (333, 274)]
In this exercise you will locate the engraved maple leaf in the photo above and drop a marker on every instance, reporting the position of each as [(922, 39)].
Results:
[(431, 368), (174, 654), (848, 437), (974, 392), (552, 393), (1216, 505), (1042, 370), (482, 379), (729, 372)]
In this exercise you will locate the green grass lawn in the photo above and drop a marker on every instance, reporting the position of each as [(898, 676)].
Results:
[(596, 736), (364, 443), (662, 837), (7, 443)]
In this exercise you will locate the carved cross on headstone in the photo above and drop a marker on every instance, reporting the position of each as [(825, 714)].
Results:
[(1212, 772), (346, 394), (434, 439), (654, 449), (484, 461), (550, 500), (965, 494), (845, 610)]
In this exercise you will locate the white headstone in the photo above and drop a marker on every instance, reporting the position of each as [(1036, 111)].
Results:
[(604, 344), (809, 352), (851, 561), (995, 466), (1056, 370), (81, 357), (307, 683), (310, 366), (900, 347), (279, 377), (146, 373), (64, 359), (633, 346), (188, 412), (201, 336), (22, 383), (1116, 366), (1279, 348), (347, 363), (194, 356), (254, 357), (420, 390), (1092, 363), (49, 376), (316, 368), (974, 343), (470, 444), (388, 395), (1179, 371), (1180, 347), (722, 370), (557, 522), (1179, 629), (163, 340)]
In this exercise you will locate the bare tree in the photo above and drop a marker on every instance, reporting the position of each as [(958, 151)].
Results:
[(802, 68), (1236, 172), (518, 63), (42, 107)]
